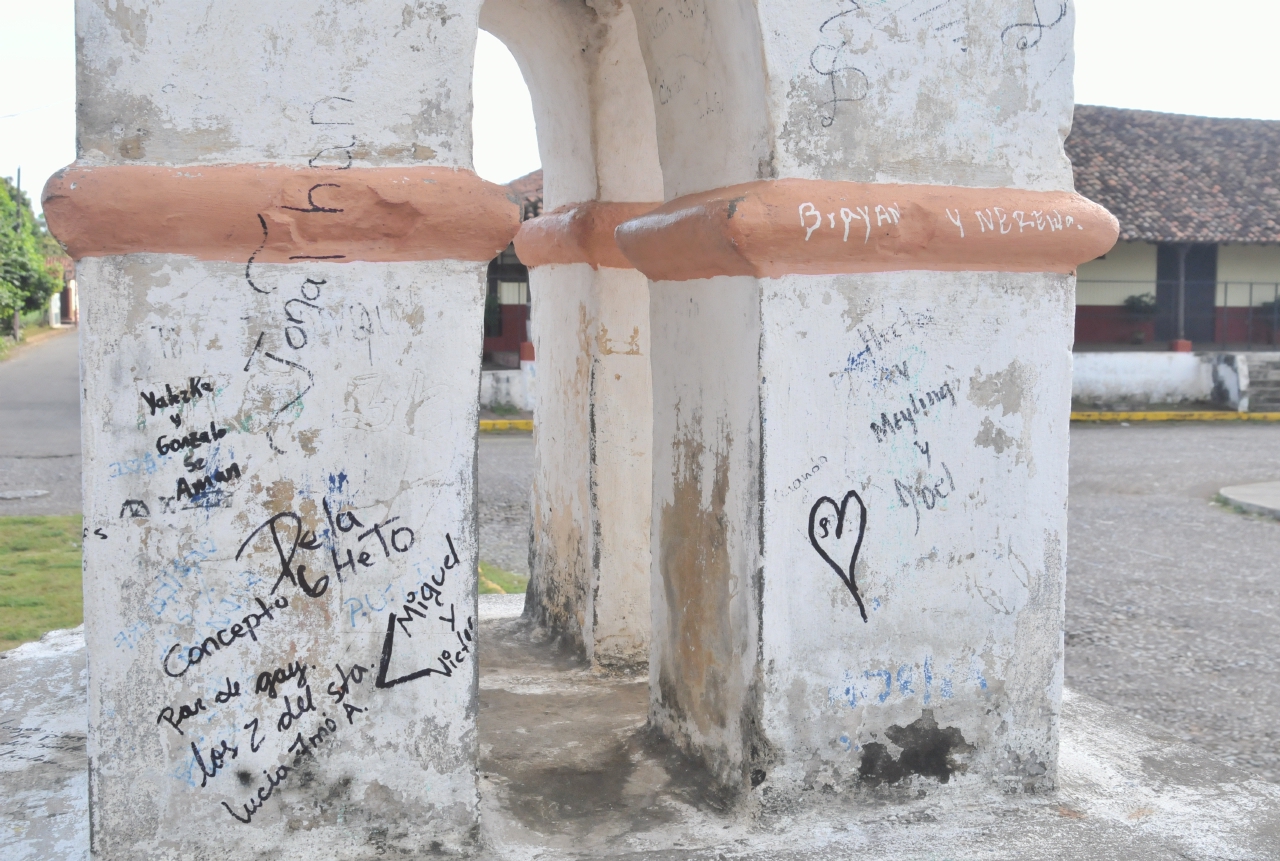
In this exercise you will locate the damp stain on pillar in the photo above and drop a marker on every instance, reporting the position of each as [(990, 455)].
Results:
[(696, 582), (927, 750)]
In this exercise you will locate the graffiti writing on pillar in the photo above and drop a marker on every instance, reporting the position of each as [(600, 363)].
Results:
[(994, 219), (809, 473), (422, 603), (832, 534), (929, 489), (1029, 33), (295, 402), (918, 405), (844, 82), (882, 214)]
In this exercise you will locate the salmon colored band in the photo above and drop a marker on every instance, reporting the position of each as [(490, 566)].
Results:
[(276, 214), (579, 233), (816, 227)]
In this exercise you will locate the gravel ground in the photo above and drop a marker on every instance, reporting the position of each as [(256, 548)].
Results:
[(1172, 600), (506, 478)]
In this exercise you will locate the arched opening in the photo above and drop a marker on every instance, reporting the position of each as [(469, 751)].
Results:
[(589, 556), (561, 739), (505, 151)]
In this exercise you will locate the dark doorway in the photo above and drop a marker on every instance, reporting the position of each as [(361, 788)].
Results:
[(1201, 292)]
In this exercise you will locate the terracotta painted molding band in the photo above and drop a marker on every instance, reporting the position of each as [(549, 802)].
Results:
[(277, 214), (578, 233), (815, 227)]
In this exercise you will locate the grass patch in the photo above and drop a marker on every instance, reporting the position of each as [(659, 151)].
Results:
[(40, 587), (39, 577), (495, 581)]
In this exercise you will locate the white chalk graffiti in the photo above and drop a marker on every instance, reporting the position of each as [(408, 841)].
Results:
[(883, 215), (993, 219), (996, 220)]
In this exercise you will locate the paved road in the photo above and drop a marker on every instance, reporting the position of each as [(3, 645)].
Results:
[(506, 476), (1173, 603), (40, 426)]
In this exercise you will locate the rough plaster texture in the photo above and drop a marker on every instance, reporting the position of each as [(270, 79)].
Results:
[(326, 83), (963, 554), (766, 391), (283, 469), (279, 458), (946, 92), (590, 540)]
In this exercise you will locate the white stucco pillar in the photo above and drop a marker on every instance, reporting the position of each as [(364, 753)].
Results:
[(282, 253), (590, 537), (861, 389)]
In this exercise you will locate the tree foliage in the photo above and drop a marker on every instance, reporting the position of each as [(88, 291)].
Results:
[(27, 279)]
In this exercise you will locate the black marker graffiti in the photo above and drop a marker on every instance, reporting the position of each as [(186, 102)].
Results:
[(846, 82), (248, 267), (217, 759), (345, 150), (134, 508), (312, 206), (418, 603), (184, 712), (890, 425), (304, 538), (1034, 28), (327, 102), (339, 692), (827, 522), (205, 485), (195, 389), (247, 627), (264, 793), (923, 491)]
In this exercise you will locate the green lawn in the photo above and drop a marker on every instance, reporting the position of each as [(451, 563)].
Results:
[(495, 581), (39, 577)]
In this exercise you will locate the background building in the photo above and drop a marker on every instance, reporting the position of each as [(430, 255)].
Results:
[(1198, 201), (506, 310)]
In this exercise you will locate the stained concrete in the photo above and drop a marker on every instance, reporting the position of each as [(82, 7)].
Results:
[(568, 770)]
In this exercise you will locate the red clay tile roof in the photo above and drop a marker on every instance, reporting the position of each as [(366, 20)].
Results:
[(1174, 178), (529, 187)]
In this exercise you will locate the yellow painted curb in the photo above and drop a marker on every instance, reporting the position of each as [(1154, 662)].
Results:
[(490, 425), (1187, 416)]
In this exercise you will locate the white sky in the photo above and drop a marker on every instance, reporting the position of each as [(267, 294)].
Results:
[(1162, 55)]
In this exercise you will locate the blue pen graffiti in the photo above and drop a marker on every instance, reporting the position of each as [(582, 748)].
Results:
[(879, 685), (362, 608), (145, 465)]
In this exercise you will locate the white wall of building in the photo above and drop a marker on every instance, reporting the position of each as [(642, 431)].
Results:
[(1127, 269), (1241, 265)]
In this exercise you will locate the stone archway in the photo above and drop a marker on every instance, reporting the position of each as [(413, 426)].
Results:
[(858, 292), (590, 536)]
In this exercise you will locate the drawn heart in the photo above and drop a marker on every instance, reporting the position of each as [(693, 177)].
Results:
[(831, 533)]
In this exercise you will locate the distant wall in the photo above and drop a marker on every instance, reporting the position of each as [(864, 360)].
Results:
[(509, 388), (1127, 262), (1239, 381)]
